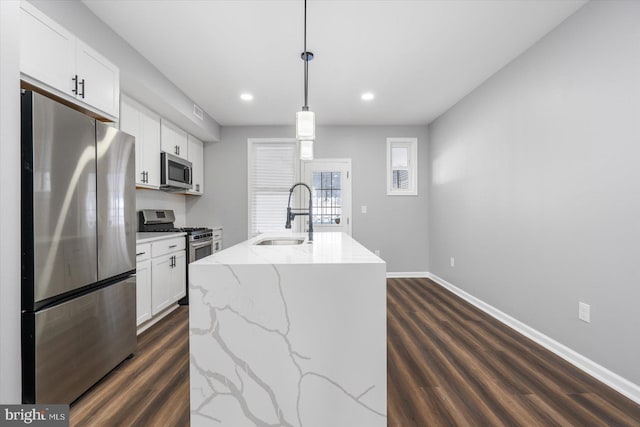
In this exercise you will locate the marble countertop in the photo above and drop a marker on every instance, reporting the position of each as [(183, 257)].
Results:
[(327, 248), (153, 236)]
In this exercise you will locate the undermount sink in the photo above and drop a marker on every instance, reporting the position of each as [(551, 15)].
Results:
[(280, 241)]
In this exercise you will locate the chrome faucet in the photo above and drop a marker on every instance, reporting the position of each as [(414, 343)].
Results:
[(291, 215)]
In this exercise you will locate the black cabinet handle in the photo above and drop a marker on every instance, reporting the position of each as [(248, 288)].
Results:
[(140, 253), (173, 246), (75, 81), (82, 84)]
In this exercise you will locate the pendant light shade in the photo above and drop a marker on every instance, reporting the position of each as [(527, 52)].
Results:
[(306, 150), (305, 125), (305, 119)]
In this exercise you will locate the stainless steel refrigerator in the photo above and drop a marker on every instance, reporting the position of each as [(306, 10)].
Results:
[(78, 250)]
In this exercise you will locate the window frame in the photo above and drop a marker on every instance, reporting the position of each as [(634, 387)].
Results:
[(412, 159), (250, 149)]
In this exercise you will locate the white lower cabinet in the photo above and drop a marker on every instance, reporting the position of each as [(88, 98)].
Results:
[(179, 285), (161, 276), (143, 291), (143, 283), (168, 280)]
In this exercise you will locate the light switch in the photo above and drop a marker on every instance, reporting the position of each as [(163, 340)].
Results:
[(363, 208)]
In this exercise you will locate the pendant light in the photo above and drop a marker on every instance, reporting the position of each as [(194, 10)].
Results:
[(305, 119)]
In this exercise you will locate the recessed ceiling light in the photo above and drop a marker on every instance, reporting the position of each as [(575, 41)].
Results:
[(367, 96), (246, 97)]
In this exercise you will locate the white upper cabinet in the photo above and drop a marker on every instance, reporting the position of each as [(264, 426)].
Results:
[(173, 140), (56, 61), (196, 155), (144, 125), (99, 80), (47, 51)]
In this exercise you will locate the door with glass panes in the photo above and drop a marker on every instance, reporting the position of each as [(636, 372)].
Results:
[(330, 183)]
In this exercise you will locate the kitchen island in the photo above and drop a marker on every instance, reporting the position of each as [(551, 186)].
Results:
[(289, 335)]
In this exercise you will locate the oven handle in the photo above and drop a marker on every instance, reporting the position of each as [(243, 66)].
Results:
[(200, 244)]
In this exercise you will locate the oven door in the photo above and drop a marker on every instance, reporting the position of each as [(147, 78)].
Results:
[(200, 249)]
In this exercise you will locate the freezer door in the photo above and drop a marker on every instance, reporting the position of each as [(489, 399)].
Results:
[(63, 153), (78, 342), (116, 202)]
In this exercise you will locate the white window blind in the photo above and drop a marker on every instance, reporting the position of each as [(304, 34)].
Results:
[(273, 169)]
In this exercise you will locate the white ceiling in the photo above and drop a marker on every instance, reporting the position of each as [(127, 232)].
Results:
[(418, 57)]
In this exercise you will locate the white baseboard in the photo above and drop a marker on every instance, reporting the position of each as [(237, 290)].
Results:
[(407, 274), (155, 319), (613, 380)]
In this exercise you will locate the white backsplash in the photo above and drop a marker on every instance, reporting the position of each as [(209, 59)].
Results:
[(156, 199)]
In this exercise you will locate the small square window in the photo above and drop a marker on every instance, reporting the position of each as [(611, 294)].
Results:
[(402, 166)]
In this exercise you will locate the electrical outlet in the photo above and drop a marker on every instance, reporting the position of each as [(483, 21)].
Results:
[(377, 252), (452, 261), (363, 209), (584, 312)]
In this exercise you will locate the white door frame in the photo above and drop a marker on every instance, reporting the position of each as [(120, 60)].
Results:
[(347, 185)]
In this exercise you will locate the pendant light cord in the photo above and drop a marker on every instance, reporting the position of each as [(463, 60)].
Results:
[(306, 60)]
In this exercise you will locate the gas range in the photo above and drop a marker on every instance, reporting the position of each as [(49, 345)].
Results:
[(161, 220)]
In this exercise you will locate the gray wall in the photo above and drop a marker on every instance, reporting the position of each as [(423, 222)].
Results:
[(397, 226), (138, 77), (535, 187), (10, 196)]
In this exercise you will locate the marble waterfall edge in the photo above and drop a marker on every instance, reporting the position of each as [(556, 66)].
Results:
[(297, 343)]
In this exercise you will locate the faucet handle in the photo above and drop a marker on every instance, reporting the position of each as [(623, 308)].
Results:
[(289, 218)]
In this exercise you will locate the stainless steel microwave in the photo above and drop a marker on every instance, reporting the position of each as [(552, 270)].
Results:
[(175, 172)]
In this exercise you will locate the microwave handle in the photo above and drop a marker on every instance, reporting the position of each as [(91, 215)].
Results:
[(188, 172)]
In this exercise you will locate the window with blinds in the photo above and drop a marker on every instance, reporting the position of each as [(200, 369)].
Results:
[(273, 169), (402, 166)]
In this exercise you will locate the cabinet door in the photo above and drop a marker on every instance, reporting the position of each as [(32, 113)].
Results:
[(130, 123), (150, 147), (179, 276), (144, 125), (161, 275), (143, 291), (173, 140), (99, 84), (196, 157), (47, 51)]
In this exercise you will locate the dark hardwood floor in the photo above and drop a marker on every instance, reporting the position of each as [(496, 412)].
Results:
[(150, 389), (449, 364)]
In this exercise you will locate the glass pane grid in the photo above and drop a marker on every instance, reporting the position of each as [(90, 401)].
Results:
[(327, 198)]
